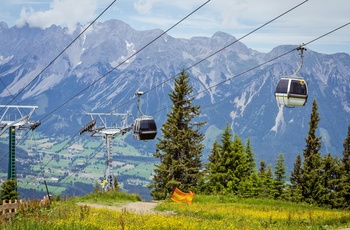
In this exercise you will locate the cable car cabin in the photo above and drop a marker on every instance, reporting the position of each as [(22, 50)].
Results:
[(291, 92), (145, 128)]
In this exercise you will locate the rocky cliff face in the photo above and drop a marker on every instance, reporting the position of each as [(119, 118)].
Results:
[(95, 74)]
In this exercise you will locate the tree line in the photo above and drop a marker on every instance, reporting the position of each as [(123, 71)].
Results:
[(318, 179)]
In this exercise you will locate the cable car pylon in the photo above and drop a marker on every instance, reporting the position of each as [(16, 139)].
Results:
[(23, 122), (292, 91), (108, 132)]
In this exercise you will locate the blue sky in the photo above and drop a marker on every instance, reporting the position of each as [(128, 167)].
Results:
[(236, 17)]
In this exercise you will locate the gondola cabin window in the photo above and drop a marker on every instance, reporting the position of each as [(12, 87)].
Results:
[(282, 86), (298, 87)]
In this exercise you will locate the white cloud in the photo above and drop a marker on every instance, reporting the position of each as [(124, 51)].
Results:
[(236, 17), (61, 12), (239, 17)]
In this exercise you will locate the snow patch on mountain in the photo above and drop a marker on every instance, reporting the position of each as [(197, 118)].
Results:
[(10, 71), (19, 82), (4, 60), (44, 84), (74, 54), (126, 60), (280, 124)]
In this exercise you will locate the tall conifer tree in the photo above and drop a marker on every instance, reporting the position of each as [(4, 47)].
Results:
[(344, 185), (280, 176), (239, 166), (180, 148), (215, 172), (250, 154), (220, 172), (312, 165), (296, 181), (330, 178)]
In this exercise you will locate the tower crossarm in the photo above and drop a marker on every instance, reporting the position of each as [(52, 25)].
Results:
[(17, 116)]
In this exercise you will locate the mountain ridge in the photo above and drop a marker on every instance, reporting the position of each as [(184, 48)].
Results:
[(228, 92)]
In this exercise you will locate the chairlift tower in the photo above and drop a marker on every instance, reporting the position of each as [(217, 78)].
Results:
[(15, 117), (108, 132)]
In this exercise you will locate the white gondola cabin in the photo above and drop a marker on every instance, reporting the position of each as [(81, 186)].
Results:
[(144, 128), (291, 92)]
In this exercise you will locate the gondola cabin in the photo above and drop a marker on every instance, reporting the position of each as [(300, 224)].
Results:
[(144, 128), (291, 92)]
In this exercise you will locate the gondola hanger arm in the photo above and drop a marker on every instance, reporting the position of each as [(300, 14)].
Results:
[(300, 48)]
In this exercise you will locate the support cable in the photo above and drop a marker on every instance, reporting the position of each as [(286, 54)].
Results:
[(90, 24), (126, 60), (218, 51), (78, 170), (195, 63), (148, 44), (229, 79), (264, 63)]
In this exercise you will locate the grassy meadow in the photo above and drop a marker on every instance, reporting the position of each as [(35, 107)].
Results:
[(206, 212)]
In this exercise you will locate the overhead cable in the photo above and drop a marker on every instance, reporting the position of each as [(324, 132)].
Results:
[(126, 60), (148, 44), (264, 63), (90, 24), (218, 51)]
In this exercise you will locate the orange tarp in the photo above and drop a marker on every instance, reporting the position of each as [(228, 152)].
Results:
[(179, 196)]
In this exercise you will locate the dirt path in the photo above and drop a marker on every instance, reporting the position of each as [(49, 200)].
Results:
[(139, 207)]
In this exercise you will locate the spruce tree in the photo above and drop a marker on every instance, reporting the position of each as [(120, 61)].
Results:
[(250, 155), (344, 185), (296, 181), (220, 172), (265, 178), (8, 190), (280, 176), (240, 167), (180, 148), (215, 173), (330, 178), (311, 170)]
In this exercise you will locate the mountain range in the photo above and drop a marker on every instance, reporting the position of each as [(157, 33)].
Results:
[(103, 68)]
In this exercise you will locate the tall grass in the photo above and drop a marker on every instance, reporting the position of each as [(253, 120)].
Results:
[(206, 212), (108, 198)]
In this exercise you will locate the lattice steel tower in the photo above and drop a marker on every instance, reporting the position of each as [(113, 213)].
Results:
[(9, 120), (108, 132)]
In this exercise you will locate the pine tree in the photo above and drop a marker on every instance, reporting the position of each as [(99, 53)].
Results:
[(249, 185), (311, 170), (280, 176), (228, 165), (266, 178), (215, 172), (240, 167), (250, 156), (330, 178), (344, 185), (8, 190), (220, 172), (180, 148), (296, 181)]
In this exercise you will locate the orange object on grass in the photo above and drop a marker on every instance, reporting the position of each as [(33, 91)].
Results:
[(179, 196)]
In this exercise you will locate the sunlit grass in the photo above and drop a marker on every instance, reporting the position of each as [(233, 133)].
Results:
[(206, 212), (108, 198)]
